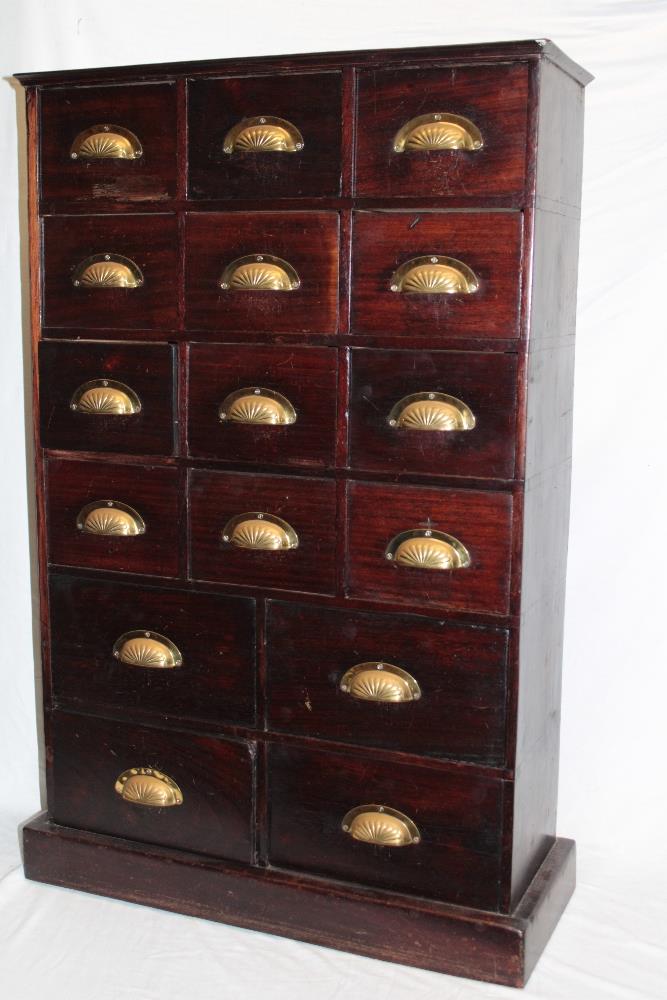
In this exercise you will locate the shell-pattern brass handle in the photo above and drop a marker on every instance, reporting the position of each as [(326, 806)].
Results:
[(147, 649), (426, 548), (255, 405), (258, 530), (110, 517), (259, 272), (380, 825), (431, 411), (434, 275), (146, 786), (264, 134), (105, 398), (437, 131), (378, 681), (106, 142), (107, 270)]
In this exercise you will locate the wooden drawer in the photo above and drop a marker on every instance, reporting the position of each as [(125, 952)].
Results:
[(75, 248), (229, 244), (84, 157), (476, 523), (436, 157), (198, 661), (485, 249), (306, 507), (281, 404), (107, 397), (237, 149), (214, 780), (451, 705), (76, 489), (458, 819), (433, 412)]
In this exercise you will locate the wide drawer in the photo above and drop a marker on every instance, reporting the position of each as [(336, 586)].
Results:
[(442, 132), (402, 682), (454, 274), (430, 547), (273, 405), (112, 271), (450, 848), (263, 531), (274, 272), (433, 412), (265, 136), (115, 143), (163, 787), (117, 517), (107, 397), (171, 653)]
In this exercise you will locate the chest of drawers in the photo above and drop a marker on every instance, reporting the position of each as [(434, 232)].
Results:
[(303, 346)]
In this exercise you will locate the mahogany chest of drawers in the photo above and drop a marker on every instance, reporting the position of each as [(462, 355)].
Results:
[(303, 346)]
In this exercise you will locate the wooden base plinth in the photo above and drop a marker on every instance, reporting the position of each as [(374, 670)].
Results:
[(498, 948)]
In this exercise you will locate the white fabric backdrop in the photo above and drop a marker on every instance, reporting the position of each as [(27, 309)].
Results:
[(611, 943)]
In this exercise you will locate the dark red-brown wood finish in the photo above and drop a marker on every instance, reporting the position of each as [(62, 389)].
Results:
[(266, 746)]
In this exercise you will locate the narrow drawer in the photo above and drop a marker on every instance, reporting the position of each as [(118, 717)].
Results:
[(117, 517), (401, 682), (171, 653), (431, 547), (275, 405), (152, 785), (263, 531), (435, 412), (135, 288), (265, 136), (115, 143), (442, 132), (107, 397), (279, 271), (449, 849), (449, 273)]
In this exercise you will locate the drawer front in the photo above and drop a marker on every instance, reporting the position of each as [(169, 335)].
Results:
[(136, 288), (400, 682), (213, 780), (263, 531), (129, 517), (109, 143), (477, 529), (457, 820), (198, 660), (280, 270), (408, 143), (433, 412), (107, 397), (421, 255), (265, 136), (279, 404)]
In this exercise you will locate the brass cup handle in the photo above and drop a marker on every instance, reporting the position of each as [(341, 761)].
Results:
[(438, 131), (107, 270), (380, 825), (147, 649), (378, 681), (426, 548), (105, 398), (431, 411), (261, 531), (255, 405), (434, 275), (259, 272), (146, 786), (110, 517), (106, 142), (263, 134)]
